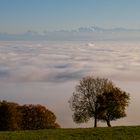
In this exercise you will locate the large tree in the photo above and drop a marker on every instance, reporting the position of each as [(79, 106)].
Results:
[(112, 105), (98, 98), (84, 100)]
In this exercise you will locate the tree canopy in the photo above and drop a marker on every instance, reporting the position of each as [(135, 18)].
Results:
[(25, 117), (37, 117), (9, 116), (88, 100), (112, 105)]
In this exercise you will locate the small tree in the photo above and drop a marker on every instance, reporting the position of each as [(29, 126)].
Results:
[(84, 101), (112, 105)]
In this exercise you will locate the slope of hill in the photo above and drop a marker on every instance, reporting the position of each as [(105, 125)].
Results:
[(114, 133)]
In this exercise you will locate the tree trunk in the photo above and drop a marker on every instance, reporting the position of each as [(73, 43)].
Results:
[(95, 121), (108, 123)]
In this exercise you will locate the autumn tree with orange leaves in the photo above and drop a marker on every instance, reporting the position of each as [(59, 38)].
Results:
[(26, 117)]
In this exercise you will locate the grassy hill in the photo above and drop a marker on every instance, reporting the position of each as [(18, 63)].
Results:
[(114, 133)]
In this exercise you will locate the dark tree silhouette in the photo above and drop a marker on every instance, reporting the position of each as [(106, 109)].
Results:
[(113, 105), (26, 117), (37, 117), (9, 116), (98, 98), (84, 100)]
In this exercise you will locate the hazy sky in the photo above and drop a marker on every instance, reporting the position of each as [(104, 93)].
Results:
[(21, 15)]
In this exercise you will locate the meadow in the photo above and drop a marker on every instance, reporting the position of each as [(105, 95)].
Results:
[(104, 133)]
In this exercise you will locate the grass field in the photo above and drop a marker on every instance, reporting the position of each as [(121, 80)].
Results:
[(114, 133)]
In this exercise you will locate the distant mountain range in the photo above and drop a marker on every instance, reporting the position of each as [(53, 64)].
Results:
[(83, 33), (96, 29)]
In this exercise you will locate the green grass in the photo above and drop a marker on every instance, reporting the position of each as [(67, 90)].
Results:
[(114, 133)]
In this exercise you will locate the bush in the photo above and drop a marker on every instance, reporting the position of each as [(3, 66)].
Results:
[(27, 117)]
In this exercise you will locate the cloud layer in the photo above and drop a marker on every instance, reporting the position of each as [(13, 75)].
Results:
[(62, 62)]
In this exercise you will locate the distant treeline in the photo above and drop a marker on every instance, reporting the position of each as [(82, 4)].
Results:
[(25, 117)]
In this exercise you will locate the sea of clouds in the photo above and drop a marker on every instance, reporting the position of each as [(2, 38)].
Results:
[(47, 72)]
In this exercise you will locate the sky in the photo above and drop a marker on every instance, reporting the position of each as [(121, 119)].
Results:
[(18, 16)]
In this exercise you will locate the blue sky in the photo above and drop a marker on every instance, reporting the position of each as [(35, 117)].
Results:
[(21, 15)]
